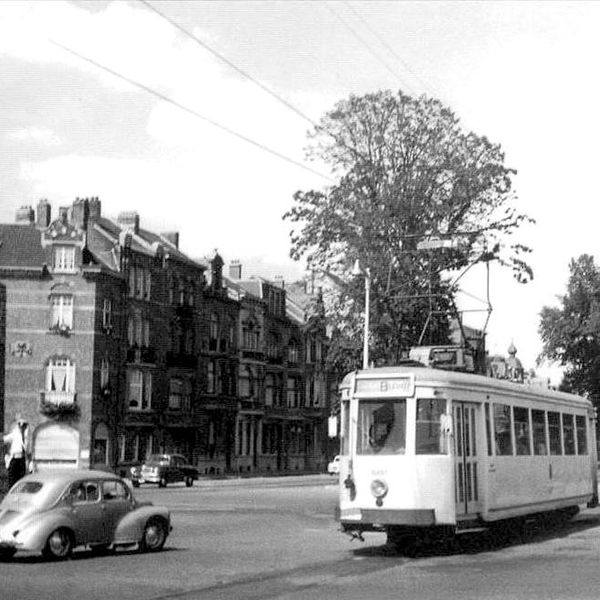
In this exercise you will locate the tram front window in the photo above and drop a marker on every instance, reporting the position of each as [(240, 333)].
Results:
[(381, 427)]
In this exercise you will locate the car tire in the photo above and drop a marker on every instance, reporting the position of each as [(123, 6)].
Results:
[(163, 482), (59, 544), (154, 536), (7, 553), (189, 481)]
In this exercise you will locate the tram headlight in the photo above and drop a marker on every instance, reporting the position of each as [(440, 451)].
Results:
[(379, 488)]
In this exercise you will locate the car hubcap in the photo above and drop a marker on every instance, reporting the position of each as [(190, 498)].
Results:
[(58, 543), (153, 535)]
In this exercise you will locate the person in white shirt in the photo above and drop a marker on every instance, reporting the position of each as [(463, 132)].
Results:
[(17, 453)]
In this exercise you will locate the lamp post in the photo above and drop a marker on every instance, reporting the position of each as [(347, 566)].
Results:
[(357, 270)]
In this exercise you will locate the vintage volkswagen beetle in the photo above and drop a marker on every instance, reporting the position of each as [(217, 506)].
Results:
[(54, 511)]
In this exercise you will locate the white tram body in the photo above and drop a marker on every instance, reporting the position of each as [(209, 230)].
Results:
[(426, 448)]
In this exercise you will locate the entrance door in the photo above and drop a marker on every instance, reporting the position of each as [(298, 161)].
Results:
[(466, 460)]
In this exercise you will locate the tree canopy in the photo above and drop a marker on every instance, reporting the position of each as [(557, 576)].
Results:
[(405, 172), (571, 332)]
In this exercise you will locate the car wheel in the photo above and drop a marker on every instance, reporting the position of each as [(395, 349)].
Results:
[(162, 482), (59, 544), (189, 481), (154, 536), (7, 553)]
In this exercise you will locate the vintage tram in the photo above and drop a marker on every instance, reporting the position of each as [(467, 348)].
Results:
[(433, 451)]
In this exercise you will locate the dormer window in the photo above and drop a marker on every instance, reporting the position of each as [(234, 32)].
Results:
[(64, 259)]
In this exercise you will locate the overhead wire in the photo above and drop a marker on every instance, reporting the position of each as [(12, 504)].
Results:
[(388, 47), (377, 57), (228, 62), (190, 111)]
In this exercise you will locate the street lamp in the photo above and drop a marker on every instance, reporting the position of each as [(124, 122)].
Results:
[(358, 270)]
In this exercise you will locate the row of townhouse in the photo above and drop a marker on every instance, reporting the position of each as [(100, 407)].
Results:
[(118, 345)]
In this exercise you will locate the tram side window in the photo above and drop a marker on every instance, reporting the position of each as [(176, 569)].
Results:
[(568, 433), (381, 427), (521, 420), (538, 420), (502, 430), (554, 433), (428, 426), (581, 434)]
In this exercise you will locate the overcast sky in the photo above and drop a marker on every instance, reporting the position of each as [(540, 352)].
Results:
[(523, 74)]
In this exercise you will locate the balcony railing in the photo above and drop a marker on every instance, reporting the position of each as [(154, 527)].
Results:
[(58, 398)]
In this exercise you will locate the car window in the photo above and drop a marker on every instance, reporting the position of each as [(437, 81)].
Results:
[(28, 487), (114, 490), (84, 491)]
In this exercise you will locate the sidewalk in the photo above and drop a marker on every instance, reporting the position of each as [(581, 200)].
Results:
[(278, 480)]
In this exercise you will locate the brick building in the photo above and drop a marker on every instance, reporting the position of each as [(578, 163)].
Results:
[(117, 345)]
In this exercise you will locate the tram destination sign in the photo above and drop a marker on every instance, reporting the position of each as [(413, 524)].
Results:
[(385, 386)]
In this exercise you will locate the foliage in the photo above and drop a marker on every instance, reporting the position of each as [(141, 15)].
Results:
[(571, 332), (406, 172)]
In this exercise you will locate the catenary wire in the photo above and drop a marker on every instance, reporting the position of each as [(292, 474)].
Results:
[(191, 111), (368, 47), (389, 48), (228, 62)]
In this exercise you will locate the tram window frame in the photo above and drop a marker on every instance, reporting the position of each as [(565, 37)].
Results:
[(555, 441), (386, 437), (345, 427), (581, 426), (568, 431), (540, 446), (522, 430), (488, 429), (433, 439), (502, 449)]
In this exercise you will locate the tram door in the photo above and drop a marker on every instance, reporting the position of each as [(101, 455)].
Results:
[(466, 460)]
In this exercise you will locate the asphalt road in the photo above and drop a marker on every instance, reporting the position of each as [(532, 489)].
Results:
[(276, 539)]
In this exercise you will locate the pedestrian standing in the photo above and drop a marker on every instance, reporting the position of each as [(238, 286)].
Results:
[(16, 457)]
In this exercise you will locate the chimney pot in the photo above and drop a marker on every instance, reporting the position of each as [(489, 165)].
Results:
[(25, 216)]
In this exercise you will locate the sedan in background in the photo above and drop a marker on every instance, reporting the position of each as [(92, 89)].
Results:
[(53, 512), (163, 469)]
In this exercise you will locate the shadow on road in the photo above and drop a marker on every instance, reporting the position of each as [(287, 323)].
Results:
[(502, 535)]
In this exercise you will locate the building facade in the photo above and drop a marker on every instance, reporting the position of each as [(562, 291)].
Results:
[(118, 345)]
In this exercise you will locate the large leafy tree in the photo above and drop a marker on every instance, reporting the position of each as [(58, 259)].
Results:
[(570, 332), (405, 171)]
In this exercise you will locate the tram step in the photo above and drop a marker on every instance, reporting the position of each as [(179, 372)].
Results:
[(471, 530)]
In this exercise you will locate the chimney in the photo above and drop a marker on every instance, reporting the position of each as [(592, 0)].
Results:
[(63, 214), (279, 282), (44, 211), (216, 271), (172, 237), (25, 216), (80, 214), (235, 270), (129, 221), (94, 209)]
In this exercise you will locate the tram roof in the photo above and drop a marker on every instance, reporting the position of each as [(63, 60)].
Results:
[(427, 376)]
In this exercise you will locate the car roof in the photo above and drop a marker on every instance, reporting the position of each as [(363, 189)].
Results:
[(64, 476)]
